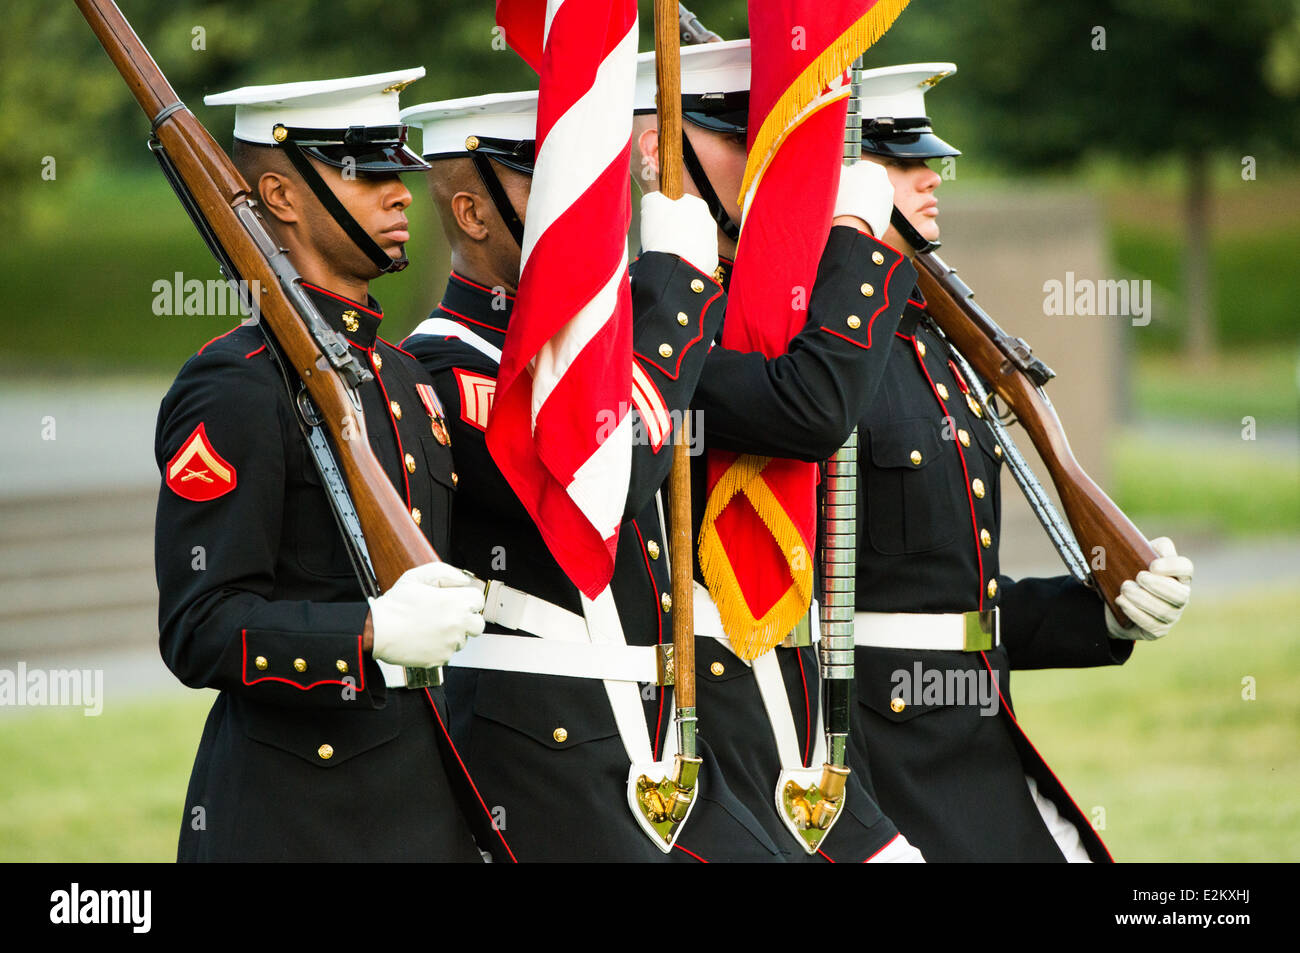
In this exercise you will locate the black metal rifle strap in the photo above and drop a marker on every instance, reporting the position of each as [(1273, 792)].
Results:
[(336, 491)]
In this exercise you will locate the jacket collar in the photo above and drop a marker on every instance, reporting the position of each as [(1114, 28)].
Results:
[(723, 273), (359, 323), (481, 308), (913, 313)]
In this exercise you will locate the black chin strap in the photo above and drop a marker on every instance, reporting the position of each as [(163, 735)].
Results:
[(919, 244), (701, 179), (369, 247), (505, 208)]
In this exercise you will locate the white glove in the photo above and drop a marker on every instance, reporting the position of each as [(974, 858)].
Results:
[(1156, 599), (681, 227), (426, 616), (866, 192)]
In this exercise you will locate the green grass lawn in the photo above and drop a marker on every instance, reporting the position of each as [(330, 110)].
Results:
[(109, 788), (1216, 488), (1261, 382), (1183, 766)]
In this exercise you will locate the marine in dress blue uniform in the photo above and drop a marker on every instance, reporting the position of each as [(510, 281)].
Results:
[(545, 748), (802, 404), (962, 780), (310, 751)]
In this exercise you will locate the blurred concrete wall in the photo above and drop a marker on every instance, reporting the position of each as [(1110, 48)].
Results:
[(1006, 245)]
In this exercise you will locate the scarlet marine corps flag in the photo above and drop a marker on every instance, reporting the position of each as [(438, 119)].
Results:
[(560, 428), (759, 530)]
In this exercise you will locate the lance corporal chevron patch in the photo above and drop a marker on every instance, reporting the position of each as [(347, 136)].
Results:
[(198, 472)]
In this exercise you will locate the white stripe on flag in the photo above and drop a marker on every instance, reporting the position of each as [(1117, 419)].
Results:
[(557, 354), (552, 8), (582, 143), (609, 467)]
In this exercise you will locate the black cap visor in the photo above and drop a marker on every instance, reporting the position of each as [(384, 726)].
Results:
[(395, 157), (361, 148), (904, 139), (517, 154), (721, 112)]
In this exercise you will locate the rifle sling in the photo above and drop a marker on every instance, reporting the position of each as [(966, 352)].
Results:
[(336, 491)]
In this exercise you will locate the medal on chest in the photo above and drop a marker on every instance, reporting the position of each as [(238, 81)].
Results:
[(437, 416)]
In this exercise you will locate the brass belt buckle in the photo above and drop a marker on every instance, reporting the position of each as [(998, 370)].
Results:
[(983, 630), (423, 677), (800, 635)]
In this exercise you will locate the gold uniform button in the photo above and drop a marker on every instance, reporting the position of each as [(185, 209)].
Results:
[(997, 450), (351, 320), (416, 515), (279, 133), (867, 290), (920, 348), (717, 668), (993, 588), (943, 391), (376, 360), (666, 601), (560, 735), (682, 319), (697, 286), (974, 406), (326, 752), (897, 704), (410, 463), (977, 485), (653, 549), (916, 458), (665, 350), (396, 408), (877, 258), (471, 143), (986, 538), (261, 663), (300, 665), (455, 478), (342, 666), (853, 321), (964, 437)]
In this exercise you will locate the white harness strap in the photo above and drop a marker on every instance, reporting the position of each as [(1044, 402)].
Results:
[(452, 329), (528, 614), (604, 628), (771, 687)]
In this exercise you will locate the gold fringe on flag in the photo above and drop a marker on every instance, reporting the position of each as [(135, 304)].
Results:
[(751, 636), (829, 64)]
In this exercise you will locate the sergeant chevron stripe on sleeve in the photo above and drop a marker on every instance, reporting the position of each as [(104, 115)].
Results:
[(567, 360)]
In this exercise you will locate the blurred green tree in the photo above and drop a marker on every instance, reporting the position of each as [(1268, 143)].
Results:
[(1050, 84)]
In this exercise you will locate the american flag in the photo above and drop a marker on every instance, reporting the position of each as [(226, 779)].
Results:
[(560, 428)]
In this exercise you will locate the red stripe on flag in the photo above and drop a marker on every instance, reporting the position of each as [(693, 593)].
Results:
[(558, 458)]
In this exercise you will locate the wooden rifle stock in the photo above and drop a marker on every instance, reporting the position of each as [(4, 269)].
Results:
[(1005, 363), (394, 542)]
